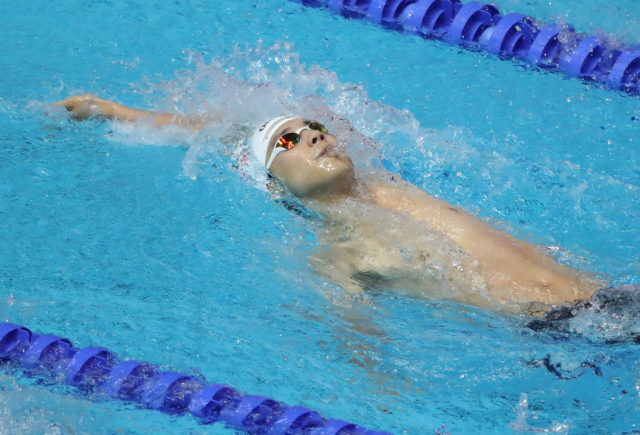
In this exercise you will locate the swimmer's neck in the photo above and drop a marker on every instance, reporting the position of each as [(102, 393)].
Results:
[(350, 189)]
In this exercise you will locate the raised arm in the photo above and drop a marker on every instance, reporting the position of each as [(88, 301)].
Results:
[(514, 269), (82, 107)]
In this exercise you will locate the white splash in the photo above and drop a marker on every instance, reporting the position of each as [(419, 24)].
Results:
[(236, 94), (520, 425)]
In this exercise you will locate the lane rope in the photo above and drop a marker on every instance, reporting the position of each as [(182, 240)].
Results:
[(97, 369), (477, 25)]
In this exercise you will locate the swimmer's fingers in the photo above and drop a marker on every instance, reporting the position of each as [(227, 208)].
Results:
[(81, 107)]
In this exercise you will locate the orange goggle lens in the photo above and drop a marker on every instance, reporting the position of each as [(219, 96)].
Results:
[(289, 140)]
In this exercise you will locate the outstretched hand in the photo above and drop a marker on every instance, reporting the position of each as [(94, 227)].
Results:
[(82, 107)]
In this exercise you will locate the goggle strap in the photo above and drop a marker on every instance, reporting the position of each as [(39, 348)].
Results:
[(274, 153)]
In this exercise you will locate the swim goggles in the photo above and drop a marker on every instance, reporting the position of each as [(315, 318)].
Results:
[(289, 140)]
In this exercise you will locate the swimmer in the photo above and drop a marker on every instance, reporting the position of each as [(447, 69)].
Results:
[(382, 232)]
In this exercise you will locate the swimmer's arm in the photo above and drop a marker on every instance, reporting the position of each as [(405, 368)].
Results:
[(335, 265), (82, 107), (473, 235), (405, 197)]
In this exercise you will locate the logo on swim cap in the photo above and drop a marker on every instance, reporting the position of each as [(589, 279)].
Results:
[(260, 139)]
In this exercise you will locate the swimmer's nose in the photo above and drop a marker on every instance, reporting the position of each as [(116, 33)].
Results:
[(313, 137)]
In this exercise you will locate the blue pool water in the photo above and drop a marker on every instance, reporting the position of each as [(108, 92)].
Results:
[(151, 244)]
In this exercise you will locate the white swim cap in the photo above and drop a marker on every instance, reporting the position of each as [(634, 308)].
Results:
[(260, 139)]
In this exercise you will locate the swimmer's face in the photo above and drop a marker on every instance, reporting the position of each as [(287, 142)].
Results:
[(313, 168)]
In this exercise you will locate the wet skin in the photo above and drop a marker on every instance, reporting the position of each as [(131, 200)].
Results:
[(513, 272), (314, 168)]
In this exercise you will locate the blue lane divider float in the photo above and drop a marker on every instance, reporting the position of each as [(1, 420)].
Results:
[(480, 25), (98, 369)]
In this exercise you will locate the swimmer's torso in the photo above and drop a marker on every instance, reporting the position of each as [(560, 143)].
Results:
[(411, 241)]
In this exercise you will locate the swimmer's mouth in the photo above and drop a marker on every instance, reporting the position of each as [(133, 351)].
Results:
[(328, 151)]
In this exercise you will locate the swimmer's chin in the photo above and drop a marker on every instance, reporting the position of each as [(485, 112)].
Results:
[(336, 165)]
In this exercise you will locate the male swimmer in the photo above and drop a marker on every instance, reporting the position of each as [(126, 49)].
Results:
[(384, 232)]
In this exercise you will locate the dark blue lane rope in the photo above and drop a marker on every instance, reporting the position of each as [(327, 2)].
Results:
[(98, 369), (479, 25)]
